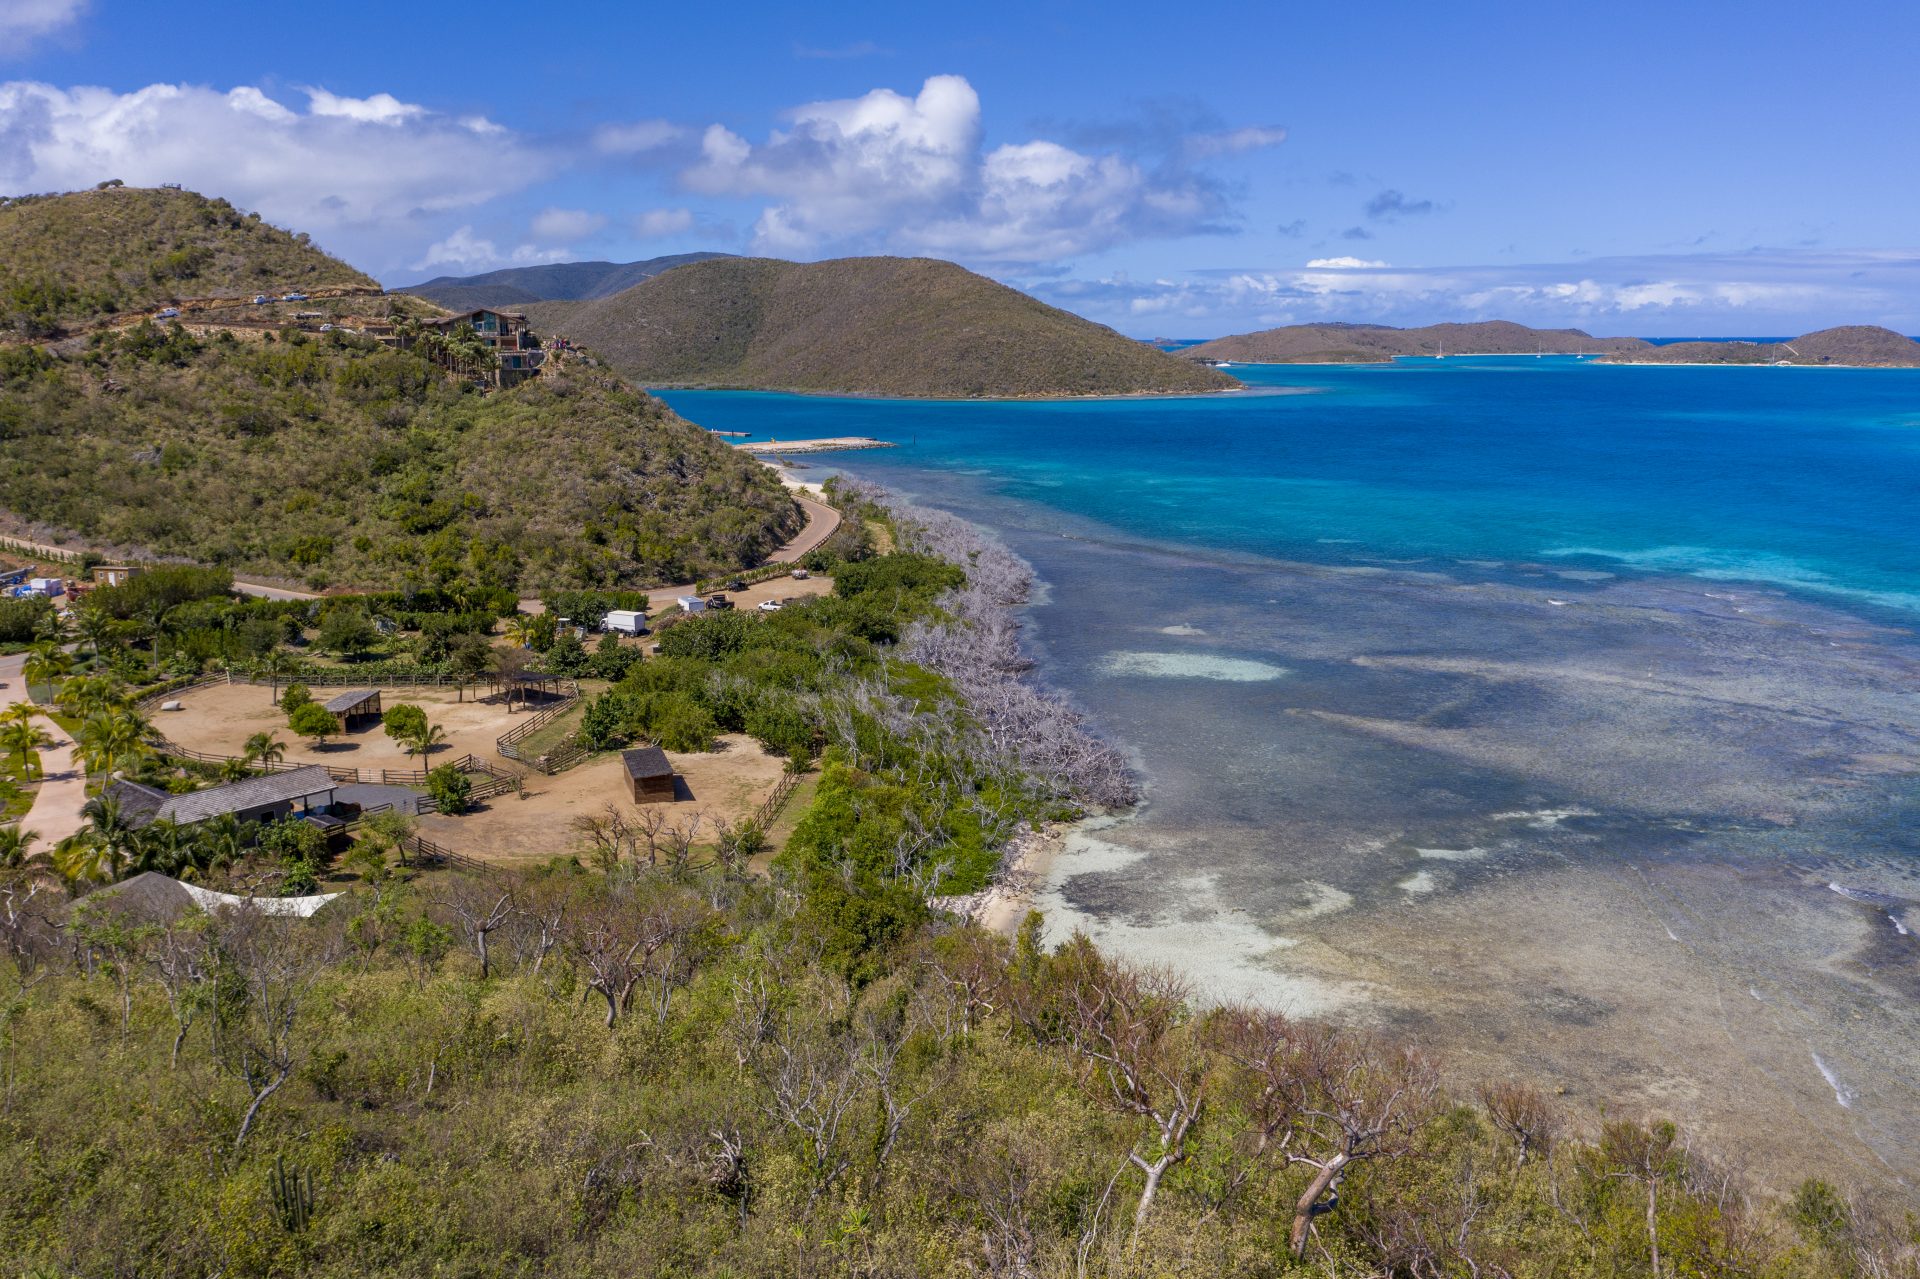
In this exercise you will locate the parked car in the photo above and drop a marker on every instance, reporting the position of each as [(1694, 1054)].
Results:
[(261, 299), (737, 584), (799, 575), (167, 313), (294, 297), (718, 601), (771, 606)]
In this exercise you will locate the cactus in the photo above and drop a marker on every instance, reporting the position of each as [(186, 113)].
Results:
[(292, 1195)]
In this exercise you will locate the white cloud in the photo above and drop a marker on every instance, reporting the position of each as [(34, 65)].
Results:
[(381, 108), (638, 137), (1344, 264), (1253, 137), (566, 224), (24, 21), (465, 253), (885, 171), (366, 172), (656, 224)]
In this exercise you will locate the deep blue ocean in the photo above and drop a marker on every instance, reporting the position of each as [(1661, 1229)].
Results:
[(1808, 478)]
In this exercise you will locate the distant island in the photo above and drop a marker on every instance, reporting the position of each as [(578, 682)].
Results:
[(1379, 343), (1852, 346), (908, 327), (549, 282)]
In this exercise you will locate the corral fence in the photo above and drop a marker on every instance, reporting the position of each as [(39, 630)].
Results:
[(508, 743), (418, 850), (491, 778), (770, 806)]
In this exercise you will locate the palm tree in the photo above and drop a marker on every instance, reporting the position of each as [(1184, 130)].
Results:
[(164, 845), (520, 629), (94, 627), (277, 666), (235, 770), (155, 620), (264, 749), (15, 840), (114, 739), (85, 695), (83, 859), (109, 826), (46, 664), (20, 738), (218, 842), (425, 740)]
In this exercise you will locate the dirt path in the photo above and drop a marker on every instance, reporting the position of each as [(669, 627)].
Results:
[(63, 787)]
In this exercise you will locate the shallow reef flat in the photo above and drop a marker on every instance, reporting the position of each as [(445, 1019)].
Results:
[(1582, 831)]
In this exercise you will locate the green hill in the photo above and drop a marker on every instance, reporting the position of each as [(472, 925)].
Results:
[(331, 459), (69, 260), (1855, 345), (863, 326), (553, 282), (1378, 343)]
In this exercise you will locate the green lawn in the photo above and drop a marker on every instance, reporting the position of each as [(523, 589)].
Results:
[(16, 794)]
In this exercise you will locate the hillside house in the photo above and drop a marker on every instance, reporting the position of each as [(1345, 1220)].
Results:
[(506, 334)]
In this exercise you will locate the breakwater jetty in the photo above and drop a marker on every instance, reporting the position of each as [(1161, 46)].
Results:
[(837, 444)]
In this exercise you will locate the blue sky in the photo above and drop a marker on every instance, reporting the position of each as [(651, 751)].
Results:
[(1719, 168)]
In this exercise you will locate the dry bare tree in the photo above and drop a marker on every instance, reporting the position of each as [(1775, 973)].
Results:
[(479, 908), (811, 1079), (622, 938), (1353, 1101), (1520, 1111), (538, 924), (679, 840), (263, 966), (1126, 1027), (180, 957)]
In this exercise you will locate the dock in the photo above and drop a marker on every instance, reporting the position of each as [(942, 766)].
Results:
[(736, 435), (837, 444)]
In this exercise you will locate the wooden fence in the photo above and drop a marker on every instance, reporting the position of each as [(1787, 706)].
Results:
[(770, 806), (508, 743), (427, 853)]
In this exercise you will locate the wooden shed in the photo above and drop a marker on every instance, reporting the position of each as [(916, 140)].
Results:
[(355, 704), (649, 774)]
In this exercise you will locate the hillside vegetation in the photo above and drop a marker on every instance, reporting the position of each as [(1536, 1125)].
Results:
[(553, 282), (66, 260), (332, 459), (863, 326), (1378, 343), (1857, 345), (650, 1060)]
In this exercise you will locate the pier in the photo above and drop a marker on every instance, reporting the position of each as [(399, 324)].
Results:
[(837, 444)]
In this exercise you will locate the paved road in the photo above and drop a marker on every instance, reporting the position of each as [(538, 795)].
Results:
[(63, 787), (822, 520), (261, 591)]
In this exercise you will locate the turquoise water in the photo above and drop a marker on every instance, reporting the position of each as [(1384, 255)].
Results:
[(1802, 477), (1533, 706)]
